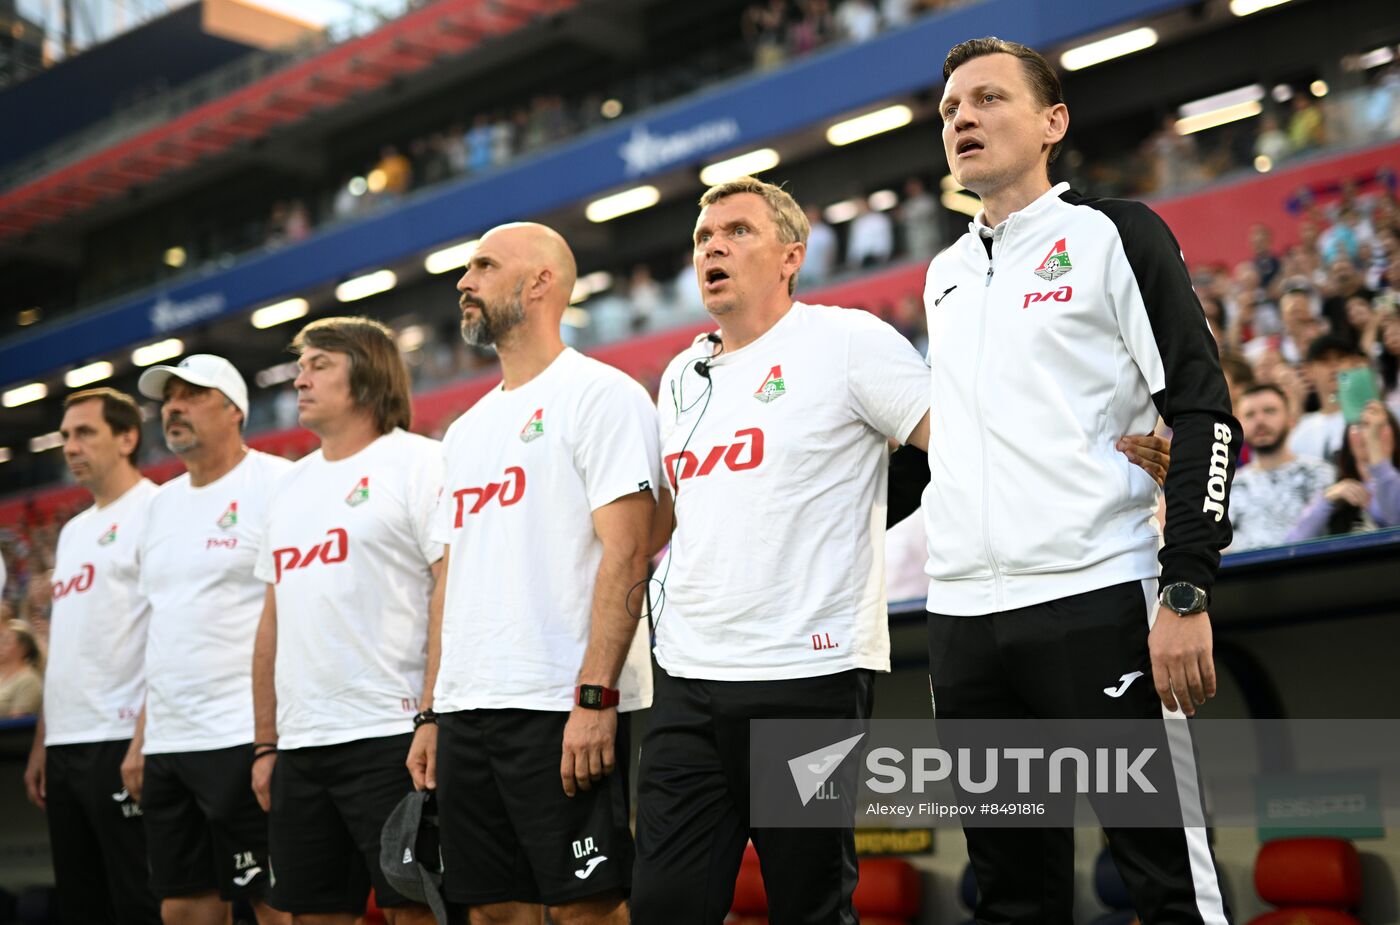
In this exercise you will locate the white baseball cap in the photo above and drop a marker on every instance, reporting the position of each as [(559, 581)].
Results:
[(201, 369)]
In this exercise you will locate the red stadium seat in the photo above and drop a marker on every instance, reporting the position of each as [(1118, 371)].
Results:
[(889, 893), (1313, 881)]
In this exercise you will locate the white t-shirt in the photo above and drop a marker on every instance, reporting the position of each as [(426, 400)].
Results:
[(1318, 434), (776, 567), (348, 552), (526, 469), (197, 569), (94, 682)]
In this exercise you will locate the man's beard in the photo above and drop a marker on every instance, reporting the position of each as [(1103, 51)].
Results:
[(1268, 449), (492, 322), (189, 442)]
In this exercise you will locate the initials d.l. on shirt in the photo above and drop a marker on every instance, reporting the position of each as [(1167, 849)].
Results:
[(197, 570), (526, 469), (349, 558), (97, 631), (776, 565)]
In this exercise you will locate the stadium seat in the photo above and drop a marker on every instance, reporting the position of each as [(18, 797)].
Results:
[(1312, 881), (890, 892)]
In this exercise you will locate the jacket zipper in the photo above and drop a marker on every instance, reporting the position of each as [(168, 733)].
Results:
[(982, 432)]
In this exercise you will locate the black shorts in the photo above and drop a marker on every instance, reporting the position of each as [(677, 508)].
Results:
[(329, 803), (509, 832), (205, 828), (97, 837)]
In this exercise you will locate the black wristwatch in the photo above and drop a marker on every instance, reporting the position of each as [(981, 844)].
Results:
[(1183, 598), (424, 716)]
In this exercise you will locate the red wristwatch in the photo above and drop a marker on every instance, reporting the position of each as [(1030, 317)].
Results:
[(596, 697)]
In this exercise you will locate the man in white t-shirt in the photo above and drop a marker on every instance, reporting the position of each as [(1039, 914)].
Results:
[(349, 567), (774, 440), (545, 513), (94, 683), (208, 837), (1319, 434)]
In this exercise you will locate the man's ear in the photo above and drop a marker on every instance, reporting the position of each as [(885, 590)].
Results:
[(540, 283), (1057, 124), (127, 440), (793, 256)]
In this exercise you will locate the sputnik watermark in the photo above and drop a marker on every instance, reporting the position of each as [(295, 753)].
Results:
[(1114, 770), (1308, 775)]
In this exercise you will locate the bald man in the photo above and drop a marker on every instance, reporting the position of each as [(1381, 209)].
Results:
[(532, 649)]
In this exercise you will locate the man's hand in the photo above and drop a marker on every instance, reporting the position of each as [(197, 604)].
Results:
[(1348, 491), (589, 736), (422, 757), (134, 770), (1183, 663), (262, 780), (1150, 453), (35, 786)]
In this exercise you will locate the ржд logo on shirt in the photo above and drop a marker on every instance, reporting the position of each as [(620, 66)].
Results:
[(506, 493), (333, 550), (75, 585), (749, 439)]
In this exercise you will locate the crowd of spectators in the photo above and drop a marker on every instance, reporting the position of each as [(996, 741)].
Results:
[(477, 142), (1293, 327), (1295, 122)]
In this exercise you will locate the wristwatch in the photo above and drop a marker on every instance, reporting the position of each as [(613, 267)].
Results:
[(424, 717), (1183, 598), (596, 697)]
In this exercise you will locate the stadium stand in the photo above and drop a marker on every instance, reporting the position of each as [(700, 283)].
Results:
[(282, 175)]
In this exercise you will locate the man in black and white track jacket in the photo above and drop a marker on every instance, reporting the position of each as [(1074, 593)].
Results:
[(1055, 324)]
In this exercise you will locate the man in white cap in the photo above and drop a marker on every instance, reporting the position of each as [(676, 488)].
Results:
[(93, 685), (207, 834)]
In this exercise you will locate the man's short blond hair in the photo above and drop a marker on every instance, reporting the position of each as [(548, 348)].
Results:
[(787, 214)]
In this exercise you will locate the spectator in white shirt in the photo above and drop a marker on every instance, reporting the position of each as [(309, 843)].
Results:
[(872, 237), (858, 20), (1271, 493), (821, 253), (1320, 433)]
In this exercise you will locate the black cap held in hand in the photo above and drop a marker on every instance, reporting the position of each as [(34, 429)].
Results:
[(409, 854)]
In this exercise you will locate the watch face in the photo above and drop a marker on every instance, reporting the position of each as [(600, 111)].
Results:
[(1181, 598), (590, 696)]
